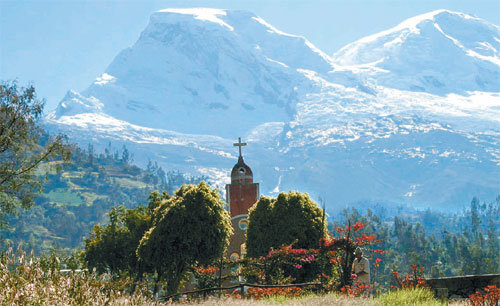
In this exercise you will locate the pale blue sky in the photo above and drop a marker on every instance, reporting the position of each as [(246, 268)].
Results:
[(61, 45)]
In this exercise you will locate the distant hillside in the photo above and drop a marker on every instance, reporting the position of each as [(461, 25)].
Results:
[(80, 195)]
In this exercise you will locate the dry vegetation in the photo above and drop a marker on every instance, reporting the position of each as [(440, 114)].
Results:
[(27, 280)]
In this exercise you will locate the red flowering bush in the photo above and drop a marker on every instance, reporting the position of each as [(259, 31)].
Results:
[(412, 280), (356, 290), (491, 297), (283, 266), (206, 277)]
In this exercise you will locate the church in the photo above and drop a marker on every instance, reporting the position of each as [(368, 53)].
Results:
[(241, 194)]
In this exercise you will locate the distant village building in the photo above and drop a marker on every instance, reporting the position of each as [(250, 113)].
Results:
[(241, 194)]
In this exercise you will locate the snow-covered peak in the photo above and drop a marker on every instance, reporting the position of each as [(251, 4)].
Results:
[(291, 50), (204, 14), (104, 79), (412, 25), (456, 26), (438, 52), (216, 66), (74, 103)]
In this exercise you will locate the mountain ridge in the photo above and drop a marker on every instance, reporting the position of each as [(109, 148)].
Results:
[(314, 123)]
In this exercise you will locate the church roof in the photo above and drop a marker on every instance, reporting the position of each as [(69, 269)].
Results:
[(241, 172)]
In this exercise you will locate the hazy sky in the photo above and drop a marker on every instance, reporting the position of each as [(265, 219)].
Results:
[(61, 45)]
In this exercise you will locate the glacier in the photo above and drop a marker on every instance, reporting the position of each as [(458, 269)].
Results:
[(408, 116)]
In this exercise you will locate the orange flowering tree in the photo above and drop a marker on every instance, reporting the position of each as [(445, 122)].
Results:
[(340, 250)]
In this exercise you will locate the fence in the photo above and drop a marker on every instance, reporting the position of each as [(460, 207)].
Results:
[(462, 286), (240, 286)]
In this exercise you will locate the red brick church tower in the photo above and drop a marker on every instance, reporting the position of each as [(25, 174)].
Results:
[(241, 194)]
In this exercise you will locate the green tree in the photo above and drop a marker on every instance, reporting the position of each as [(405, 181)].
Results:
[(493, 246), (125, 155), (23, 147), (190, 228), (291, 218), (112, 247), (474, 215)]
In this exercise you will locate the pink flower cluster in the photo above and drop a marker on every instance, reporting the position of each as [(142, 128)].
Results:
[(308, 259)]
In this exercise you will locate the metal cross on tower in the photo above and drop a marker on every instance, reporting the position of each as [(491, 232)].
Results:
[(239, 144)]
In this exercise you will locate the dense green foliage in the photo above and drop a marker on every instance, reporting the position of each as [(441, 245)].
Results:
[(191, 227), (458, 244), (80, 195), (291, 218), (112, 247), (23, 147), (165, 240)]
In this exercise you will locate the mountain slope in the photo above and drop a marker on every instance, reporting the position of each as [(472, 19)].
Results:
[(82, 194), (410, 115), (211, 66)]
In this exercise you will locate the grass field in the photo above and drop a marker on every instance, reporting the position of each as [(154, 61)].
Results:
[(47, 168), (64, 197), (130, 183)]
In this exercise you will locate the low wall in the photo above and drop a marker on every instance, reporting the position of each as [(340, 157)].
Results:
[(462, 286)]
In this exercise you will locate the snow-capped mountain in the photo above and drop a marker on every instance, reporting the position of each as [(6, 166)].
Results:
[(202, 71), (439, 52), (410, 115)]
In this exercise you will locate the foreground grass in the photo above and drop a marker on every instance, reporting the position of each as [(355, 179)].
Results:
[(309, 300), (401, 297), (416, 296)]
